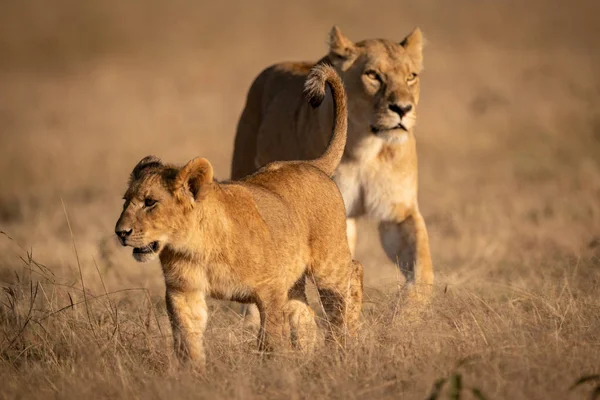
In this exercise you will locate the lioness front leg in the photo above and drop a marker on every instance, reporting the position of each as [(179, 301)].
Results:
[(188, 314), (406, 243), (303, 327), (251, 315), (351, 234)]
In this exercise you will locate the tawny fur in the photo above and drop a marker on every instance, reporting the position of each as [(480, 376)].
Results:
[(252, 241), (378, 172)]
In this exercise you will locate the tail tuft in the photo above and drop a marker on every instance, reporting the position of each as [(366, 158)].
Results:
[(314, 87)]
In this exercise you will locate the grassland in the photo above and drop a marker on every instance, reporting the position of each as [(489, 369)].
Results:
[(509, 146)]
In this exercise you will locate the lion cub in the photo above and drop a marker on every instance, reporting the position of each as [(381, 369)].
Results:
[(252, 240)]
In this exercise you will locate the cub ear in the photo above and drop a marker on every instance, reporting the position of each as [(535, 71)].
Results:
[(191, 179), (413, 44), (340, 47), (146, 162)]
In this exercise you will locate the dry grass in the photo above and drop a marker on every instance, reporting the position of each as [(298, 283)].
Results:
[(509, 144), (511, 342)]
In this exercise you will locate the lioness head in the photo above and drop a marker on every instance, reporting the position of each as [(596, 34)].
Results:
[(158, 204), (382, 81)]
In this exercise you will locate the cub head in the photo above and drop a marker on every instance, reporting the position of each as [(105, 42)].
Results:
[(381, 78), (158, 205)]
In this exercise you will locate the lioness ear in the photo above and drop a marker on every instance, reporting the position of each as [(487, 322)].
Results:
[(413, 44), (339, 45), (192, 177), (146, 162)]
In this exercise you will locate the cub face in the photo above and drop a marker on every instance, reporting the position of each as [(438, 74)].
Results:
[(159, 202)]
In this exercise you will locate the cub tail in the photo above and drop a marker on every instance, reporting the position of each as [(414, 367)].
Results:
[(314, 89)]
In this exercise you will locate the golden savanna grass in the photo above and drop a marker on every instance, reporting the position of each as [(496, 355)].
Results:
[(508, 140)]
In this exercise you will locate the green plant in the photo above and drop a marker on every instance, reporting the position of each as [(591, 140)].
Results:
[(595, 392), (454, 383)]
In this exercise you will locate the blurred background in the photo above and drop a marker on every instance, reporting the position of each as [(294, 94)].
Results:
[(508, 130)]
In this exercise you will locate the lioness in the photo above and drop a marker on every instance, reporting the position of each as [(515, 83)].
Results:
[(378, 172), (251, 241)]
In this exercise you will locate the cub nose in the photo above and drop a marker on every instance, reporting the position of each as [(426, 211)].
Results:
[(401, 109), (123, 234)]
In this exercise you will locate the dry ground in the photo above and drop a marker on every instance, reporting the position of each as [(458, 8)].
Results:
[(509, 144)]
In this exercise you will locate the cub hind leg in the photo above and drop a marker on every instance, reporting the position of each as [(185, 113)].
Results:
[(340, 289), (274, 331)]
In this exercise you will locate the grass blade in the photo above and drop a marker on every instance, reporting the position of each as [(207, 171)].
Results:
[(87, 307)]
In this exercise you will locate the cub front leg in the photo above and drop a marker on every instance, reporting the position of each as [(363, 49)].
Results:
[(188, 314), (406, 243)]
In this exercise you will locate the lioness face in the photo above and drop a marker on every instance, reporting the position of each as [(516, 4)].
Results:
[(382, 81), (157, 208)]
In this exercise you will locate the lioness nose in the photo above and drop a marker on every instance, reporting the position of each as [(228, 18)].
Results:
[(401, 109), (123, 233)]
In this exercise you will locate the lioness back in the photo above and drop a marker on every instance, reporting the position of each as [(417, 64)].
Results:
[(277, 136)]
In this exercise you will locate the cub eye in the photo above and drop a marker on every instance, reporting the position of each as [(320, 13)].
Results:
[(373, 75), (411, 77), (149, 202)]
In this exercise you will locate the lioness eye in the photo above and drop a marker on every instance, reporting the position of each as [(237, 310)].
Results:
[(411, 77), (149, 202), (373, 75)]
